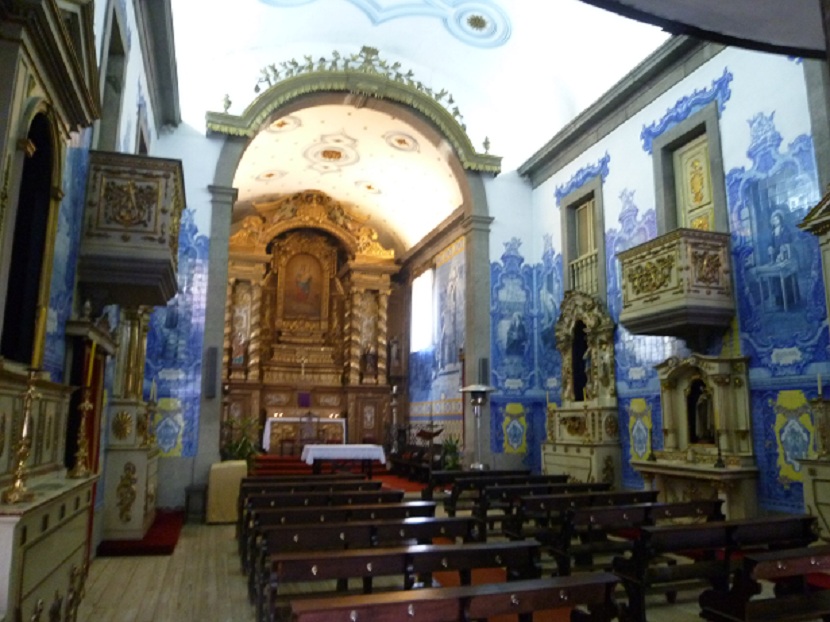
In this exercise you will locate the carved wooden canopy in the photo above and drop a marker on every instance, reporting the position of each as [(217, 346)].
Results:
[(599, 333)]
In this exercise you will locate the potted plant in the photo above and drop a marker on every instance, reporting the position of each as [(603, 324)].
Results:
[(237, 439), (451, 452)]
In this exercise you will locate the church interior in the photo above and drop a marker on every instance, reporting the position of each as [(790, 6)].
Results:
[(587, 240)]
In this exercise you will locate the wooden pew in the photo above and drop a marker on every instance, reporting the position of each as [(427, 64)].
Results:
[(264, 485), (519, 559), (270, 517), (714, 547), (443, 479), (541, 516), (794, 598), (354, 535), (468, 602), (588, 533), (313, 498), (505, 498), (471, 489)]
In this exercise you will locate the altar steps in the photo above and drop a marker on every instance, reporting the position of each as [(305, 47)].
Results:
[(267, 464)]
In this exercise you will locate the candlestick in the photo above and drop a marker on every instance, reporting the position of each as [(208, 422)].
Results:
[(90, 365), (81, 468), (153, 390), (818, 382)]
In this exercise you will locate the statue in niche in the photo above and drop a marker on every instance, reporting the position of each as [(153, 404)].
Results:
[(369, 363), (700, 413)]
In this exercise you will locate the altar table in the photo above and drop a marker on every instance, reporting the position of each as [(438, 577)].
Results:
[(365, 454)]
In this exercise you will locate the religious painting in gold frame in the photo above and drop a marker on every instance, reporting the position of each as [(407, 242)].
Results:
[(305, 263), (303, 293)]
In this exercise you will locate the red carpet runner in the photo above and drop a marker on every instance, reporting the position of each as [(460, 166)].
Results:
[(161, 538)]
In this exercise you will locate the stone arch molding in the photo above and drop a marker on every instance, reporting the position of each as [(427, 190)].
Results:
[(363, 74), (599, 332)]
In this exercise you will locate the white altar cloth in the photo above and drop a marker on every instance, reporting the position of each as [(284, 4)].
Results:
[(343, 452)]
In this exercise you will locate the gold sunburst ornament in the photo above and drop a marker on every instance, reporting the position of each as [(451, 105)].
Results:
[(122, 425)]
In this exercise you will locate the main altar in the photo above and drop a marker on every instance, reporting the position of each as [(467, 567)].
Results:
[(307, 322)]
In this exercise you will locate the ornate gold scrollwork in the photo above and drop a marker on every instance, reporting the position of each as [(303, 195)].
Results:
[(651, 276), (127, 492), (707, 267), (128, 204), (576, 426), (612, 427)]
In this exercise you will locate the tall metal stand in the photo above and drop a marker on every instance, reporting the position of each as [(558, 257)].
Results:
[(478, 397)]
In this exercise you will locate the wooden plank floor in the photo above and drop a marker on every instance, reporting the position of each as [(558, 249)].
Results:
[(201, 581)]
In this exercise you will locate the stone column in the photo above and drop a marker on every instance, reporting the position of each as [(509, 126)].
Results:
[(222, 200), (476, 230)]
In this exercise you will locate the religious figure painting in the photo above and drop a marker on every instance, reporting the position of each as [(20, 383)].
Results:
[(303, 287)]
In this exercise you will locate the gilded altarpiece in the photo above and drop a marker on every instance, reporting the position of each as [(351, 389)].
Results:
[(583, 433), (707, 438), (306, 322)]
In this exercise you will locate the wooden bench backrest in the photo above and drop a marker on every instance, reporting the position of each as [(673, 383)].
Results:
[(704, 509), (363, 534), (319, 498), (332, 514), (562, 502), (466, 602), (773, 565), (777, 531), (514, 491), (641, 514), (771, 531), (423, 528), (419, 558), (607, 517), (252, 488), (464, 484)]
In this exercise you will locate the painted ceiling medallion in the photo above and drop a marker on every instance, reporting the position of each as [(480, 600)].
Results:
[(401, 141), (477, 22), (285, 124), (480, 23), (332, 152), (268, 176)]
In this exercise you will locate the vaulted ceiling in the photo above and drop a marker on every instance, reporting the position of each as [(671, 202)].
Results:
[(511, 73)]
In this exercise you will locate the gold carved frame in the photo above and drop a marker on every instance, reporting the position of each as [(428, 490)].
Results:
[(305, 263)]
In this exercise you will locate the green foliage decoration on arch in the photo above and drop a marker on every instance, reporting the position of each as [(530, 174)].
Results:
[(366, 74)]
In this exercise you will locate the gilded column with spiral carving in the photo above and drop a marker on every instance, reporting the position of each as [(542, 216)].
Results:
[(383, 331), (226, 341), (131, 389), (255, 335), (353, 323)]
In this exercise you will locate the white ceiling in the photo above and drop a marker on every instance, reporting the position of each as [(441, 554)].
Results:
[(518, 71)]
